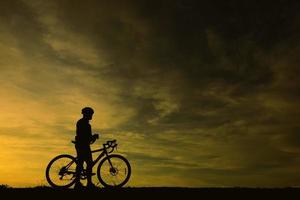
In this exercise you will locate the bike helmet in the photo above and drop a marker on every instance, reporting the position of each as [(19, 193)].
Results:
[(87, 111)]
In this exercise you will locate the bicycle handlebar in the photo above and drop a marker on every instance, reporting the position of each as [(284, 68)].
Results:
[(110, 144)]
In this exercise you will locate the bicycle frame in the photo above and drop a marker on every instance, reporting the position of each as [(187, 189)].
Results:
[(67, 171), (102, 154)]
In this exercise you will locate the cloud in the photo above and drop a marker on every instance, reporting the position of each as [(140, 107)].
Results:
[(203, 92)]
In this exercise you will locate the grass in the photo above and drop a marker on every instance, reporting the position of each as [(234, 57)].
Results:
[(41, 192)]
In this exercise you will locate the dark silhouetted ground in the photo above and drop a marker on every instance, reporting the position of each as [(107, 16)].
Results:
[(154, 193)]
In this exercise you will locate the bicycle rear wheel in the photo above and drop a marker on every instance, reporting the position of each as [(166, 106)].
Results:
[(61, 171), (114, 171)]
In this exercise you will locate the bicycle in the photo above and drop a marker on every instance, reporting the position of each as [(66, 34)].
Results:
[(113, 170)]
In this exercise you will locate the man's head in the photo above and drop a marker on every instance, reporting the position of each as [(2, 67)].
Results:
[(87, 113)]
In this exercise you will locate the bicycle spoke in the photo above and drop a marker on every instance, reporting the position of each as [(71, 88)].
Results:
[(61, 171), (113, 173)]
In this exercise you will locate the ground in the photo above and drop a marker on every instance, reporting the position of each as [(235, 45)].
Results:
[(157, 193)]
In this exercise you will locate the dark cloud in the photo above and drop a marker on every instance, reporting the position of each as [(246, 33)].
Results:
[(147, 41), (20, 20), (221, 72), (214, 59)]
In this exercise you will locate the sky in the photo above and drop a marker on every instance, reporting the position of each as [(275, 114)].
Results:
[(197, 93)]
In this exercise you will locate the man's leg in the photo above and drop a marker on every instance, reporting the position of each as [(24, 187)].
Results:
[(79, 167), (89, 168), (89, 172)]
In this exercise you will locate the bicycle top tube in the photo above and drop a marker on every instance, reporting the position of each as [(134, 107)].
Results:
[(109, 144), (97, 150)]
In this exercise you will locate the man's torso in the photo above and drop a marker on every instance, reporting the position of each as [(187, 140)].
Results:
[(83, 132)]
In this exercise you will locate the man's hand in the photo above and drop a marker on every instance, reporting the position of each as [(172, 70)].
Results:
[(96, 135), (94, 138)]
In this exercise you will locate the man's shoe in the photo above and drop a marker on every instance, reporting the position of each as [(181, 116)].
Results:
[(91, 186), (78, 186)]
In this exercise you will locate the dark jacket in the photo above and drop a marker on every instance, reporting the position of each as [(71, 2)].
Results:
[(83, 132)]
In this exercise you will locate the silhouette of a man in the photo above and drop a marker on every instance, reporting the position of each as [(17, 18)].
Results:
[(83, 139)]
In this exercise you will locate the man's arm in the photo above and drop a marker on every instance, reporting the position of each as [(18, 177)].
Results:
[(94, 138)]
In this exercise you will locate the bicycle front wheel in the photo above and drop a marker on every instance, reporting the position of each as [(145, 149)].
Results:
[(61, 171), (114, 171)]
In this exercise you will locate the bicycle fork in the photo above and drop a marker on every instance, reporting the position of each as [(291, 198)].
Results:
[(112, 170)]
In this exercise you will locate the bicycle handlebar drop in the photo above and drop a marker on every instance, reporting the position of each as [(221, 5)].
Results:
[(111, 144)]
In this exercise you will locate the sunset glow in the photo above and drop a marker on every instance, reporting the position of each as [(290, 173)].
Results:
[(197, 93)]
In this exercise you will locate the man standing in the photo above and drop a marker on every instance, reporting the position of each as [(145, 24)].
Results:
[(83, 139)]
